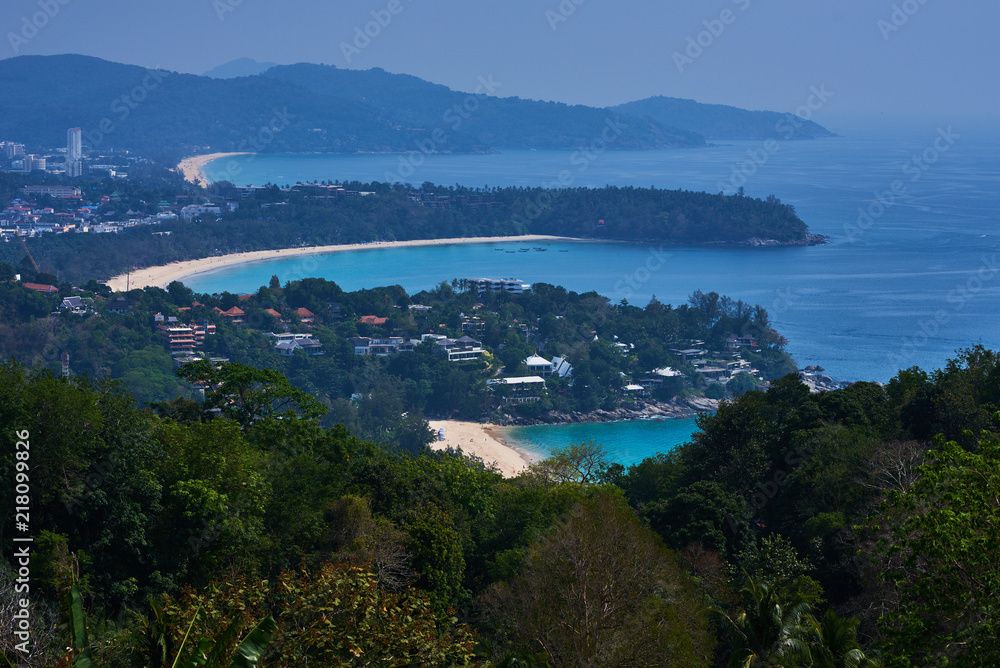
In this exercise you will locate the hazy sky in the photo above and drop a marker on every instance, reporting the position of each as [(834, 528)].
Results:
[(928, 56)]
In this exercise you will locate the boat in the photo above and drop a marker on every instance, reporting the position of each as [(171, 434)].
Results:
[(564, 251)]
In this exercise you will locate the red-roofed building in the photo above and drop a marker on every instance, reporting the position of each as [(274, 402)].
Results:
[(235, 314), (179, 338), (372, 320), (274, 314), (41, 287), (306, 316)]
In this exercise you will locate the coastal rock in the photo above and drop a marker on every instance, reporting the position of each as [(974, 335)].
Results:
[(687, 407), (818, 382), (703, 404)]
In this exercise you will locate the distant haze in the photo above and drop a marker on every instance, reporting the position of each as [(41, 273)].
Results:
[(888, 57)]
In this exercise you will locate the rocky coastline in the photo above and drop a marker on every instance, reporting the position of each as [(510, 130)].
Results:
[(686, 408)]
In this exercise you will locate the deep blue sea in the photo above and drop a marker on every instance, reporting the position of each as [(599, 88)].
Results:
[(910, 273)]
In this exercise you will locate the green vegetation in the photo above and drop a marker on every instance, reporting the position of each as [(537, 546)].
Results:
[(718, 121), (795, 530), (295, 109), (307, 216), (370, 394)]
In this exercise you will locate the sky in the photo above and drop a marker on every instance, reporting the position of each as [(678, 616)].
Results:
[(865, 58)]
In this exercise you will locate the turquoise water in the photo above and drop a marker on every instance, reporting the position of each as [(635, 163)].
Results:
[(907, 283), (627, 443)]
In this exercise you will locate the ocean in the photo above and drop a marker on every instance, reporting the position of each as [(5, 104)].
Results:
[(910, 273), (627, 443)]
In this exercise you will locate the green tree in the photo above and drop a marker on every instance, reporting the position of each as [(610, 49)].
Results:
[(584, 463), (833, 643), (944, 531), (601, 590), (767, 631), (246, 395)]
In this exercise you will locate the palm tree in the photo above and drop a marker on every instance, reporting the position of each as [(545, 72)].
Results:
[(767, 632), (833, 643)]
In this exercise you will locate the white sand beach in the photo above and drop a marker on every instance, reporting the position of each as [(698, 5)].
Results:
[(193, 168), (481, 440), (164, 275)]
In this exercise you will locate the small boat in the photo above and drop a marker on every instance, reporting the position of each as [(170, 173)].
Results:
[(510, 252), (564, 251), (541, 249), (498, 249)]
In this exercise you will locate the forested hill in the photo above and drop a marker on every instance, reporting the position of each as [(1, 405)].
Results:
[(317, 215), (323, 109), (494, 120), (718, 121), (169, 114)]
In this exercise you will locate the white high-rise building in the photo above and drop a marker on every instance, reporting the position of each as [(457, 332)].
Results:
[(12, 150), (74, 144)]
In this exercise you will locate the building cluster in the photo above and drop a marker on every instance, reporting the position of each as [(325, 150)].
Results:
[(719, 366), (318, 191), (497, 285), (465, 349), (68, 209), (288, 343), (180, 337), (474, 200), (70, 161)]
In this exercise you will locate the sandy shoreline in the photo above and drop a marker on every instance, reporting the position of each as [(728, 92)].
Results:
[(481, 440), (163, 275), (193, 168)]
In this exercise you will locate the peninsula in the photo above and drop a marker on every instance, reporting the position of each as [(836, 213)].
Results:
[(164, 275)]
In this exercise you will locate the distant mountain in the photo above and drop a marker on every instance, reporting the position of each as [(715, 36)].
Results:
[(717, 121), (167, 114), (317, 108), (241, 67), (501, 122)]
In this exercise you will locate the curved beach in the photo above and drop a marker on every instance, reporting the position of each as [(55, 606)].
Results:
[(164, 275), (193, 168), (480, 440)]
